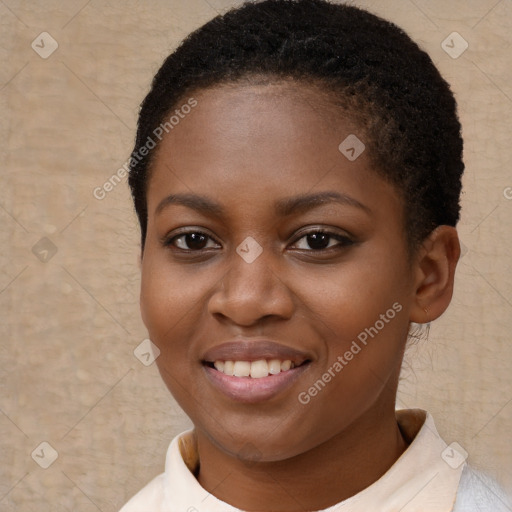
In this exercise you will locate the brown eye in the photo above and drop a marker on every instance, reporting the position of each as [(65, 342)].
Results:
[(192, 241), (321, 240), (318, 240)]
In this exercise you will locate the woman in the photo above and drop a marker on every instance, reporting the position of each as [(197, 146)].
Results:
[(297, 174)]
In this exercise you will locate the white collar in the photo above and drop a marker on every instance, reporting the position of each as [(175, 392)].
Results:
[(419, 481)]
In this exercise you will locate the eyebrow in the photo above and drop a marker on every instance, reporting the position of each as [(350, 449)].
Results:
[(283, 207)]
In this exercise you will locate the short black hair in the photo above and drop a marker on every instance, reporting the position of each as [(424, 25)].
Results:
[(369, 66)]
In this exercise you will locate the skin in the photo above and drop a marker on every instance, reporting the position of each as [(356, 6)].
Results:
[(246, 147)]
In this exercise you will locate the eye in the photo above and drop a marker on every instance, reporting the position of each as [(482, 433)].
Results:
[(191, 241), (320, 240)]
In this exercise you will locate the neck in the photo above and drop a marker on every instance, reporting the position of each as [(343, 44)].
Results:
[(345, 465)]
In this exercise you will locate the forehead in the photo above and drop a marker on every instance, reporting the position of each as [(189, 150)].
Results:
[(255, 123), (262, 141)]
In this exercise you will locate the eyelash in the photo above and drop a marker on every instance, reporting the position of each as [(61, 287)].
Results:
[(344, 241)]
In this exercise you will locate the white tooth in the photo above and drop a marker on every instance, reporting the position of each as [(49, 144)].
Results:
[(286, 365), (242, 369), (228, 367), (274, 366), (259, 369), (219, 365)]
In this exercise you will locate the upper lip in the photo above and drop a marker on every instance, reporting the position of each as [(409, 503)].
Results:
[(253, 350)]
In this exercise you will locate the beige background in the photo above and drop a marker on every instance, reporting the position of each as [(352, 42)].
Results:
[(68, 374)]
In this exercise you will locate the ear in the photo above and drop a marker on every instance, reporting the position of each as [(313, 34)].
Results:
[(435, 272)]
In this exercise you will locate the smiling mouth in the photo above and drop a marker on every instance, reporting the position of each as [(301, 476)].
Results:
[(254, 369)]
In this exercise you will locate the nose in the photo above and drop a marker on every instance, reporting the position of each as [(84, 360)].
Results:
[(250, 292)]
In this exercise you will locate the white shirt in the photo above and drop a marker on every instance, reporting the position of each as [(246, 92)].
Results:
[(428, 477)]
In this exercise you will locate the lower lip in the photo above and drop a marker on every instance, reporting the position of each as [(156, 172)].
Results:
[(249, 390)]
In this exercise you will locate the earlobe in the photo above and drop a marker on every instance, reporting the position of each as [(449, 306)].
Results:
[(435, 273)]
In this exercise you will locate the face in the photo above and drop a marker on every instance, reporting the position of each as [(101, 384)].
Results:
[(266, 246)]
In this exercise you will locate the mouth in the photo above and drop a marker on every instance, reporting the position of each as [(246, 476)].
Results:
[(253, 389), (250, 372), (253, 371), (258, 369)]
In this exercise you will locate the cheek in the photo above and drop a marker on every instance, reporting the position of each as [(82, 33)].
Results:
[(173, 299), (166, 290), (171, 310), (351, 298), (360, 316)]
